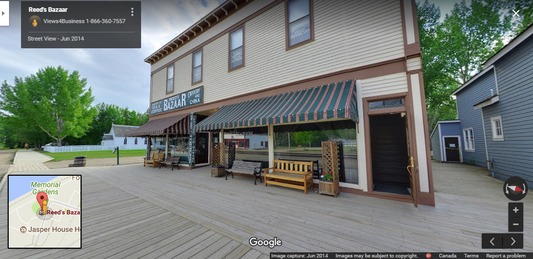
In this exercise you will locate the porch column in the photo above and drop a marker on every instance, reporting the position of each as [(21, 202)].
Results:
[(222, 153), (149, 147), (166, 147), (270, 145), (192, 139)]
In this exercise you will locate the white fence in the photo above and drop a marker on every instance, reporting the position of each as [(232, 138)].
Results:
[(54, 149)]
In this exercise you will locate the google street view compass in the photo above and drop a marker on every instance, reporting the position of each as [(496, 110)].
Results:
[(515, 188)]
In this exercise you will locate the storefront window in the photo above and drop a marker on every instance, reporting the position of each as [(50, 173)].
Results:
[(303, 142), (158, 145), (178, 146), (249, 144)]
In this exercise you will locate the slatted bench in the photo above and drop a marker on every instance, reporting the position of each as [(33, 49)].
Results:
[(174, 161), (292, 174), (239, 166), (79, 161)]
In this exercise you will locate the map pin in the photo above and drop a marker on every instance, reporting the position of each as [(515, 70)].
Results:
[(42, 197)]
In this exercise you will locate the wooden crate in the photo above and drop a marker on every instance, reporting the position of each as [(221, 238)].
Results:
[(327, 188)]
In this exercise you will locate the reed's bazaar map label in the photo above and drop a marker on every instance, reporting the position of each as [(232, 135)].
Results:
[(44, 211)]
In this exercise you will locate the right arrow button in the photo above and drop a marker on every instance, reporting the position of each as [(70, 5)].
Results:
[(513, 241)]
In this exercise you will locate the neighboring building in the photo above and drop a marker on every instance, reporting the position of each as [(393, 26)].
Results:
[(243, 141), (446, 141), (117, 137), (274, 67), (494, 108)]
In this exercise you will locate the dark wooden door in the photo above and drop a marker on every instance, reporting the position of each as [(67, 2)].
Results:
[(389, 150), (451, 146), (202, 148)]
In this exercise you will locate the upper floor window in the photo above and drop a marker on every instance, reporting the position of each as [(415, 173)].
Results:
[(468, 135), (170, 79), (236, 49), (497, 128), (197, 67), (300, 27)]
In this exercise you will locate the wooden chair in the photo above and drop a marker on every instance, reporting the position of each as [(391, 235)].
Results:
[(155, 161)]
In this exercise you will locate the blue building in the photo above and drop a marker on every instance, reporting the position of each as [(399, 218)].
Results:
[(446, 141), (495, 108)]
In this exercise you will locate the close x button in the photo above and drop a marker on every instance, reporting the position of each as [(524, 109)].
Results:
[(502, 240)]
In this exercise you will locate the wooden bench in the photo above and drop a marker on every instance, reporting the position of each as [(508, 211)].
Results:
[(292, 174), (239, 166), (155, 161), (79, 161), (174, 161)]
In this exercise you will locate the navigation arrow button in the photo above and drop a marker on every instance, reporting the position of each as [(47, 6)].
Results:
[(514, 241), (491, 241)]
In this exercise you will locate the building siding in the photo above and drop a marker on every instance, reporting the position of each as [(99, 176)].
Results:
[(451, 130), (414, 63), (470, 118), (514, 155), (382, 85), (371, 33), (435, 144)]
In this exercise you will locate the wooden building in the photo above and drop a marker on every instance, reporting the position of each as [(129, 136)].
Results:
[(349, 69)]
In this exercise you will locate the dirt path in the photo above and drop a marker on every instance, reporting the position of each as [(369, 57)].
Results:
[(6, 159), (97, 162)]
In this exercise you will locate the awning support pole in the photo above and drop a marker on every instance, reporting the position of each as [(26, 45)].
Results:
[(270, 145), (166, 148)]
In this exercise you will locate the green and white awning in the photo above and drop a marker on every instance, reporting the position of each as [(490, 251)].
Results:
[(331, 101)]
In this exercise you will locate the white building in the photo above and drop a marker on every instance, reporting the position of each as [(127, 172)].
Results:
[(117, 137)]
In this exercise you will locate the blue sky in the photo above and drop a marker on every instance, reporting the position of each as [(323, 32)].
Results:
[(117, 76)]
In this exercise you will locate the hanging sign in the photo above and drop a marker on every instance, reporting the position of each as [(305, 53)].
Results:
[(178, 101)]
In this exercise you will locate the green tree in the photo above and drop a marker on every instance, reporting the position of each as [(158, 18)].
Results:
[(52, 100), (454, 50)]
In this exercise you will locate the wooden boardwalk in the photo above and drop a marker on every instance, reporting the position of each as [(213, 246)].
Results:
[(140, 212)]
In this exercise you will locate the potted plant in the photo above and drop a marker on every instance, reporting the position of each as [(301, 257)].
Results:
[(218, 170), (328, 184)]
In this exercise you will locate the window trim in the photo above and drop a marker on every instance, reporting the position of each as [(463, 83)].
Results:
[(493, 120), (311, 26), (201, 66), (229, 49), (465, 140), (173, 76)]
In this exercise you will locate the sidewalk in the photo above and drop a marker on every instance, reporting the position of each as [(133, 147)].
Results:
[(29, 160)]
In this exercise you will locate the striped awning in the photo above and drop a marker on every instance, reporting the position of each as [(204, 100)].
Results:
[(331, 101), (178, 124)]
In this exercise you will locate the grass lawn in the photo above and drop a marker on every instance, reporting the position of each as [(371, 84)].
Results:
[(94, 154)]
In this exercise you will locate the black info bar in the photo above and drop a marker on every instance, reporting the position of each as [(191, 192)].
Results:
[(491, 255)]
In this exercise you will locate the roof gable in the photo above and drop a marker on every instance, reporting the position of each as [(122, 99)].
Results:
[(122, 130)]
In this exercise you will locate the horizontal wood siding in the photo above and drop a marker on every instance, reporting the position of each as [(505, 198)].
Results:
[(414, 63), (514, 155), (450, 129), (474, 93), (348, 35), (435, 144), (382, 85), (159, 85)]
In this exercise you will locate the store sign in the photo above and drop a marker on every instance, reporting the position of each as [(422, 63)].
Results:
[(178, 101)]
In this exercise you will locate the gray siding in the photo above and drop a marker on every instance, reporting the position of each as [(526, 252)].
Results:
[(514, 155), (475, 92), (435, 144)]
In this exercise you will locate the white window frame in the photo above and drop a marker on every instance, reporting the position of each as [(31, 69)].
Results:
[(170, 79), (468, 137), (497, 135)]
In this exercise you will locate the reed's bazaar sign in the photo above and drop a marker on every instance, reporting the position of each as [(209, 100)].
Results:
[(178, 101)]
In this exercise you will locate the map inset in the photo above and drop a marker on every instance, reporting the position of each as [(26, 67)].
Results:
[(44, 211)]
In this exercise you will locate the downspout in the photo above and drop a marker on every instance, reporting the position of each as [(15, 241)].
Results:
[(485, 139)]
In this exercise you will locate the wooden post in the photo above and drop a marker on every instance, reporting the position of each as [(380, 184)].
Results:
[(166, 148), (270, 146), (149, 148)]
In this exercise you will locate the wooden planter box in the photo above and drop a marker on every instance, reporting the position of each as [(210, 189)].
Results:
[(218, 172), (328, 188)]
